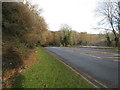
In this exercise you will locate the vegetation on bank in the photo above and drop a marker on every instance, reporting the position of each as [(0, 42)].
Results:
[(48, 72), (22, 29)]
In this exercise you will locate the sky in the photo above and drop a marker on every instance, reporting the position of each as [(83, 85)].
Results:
[(79, 14)]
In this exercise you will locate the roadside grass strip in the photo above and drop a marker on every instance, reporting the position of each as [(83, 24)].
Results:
[(48, 72)]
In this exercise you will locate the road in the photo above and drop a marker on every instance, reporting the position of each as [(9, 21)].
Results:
[(100, 67)]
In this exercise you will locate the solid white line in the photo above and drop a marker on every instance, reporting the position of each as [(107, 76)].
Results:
[(80, 74), (85, 77)]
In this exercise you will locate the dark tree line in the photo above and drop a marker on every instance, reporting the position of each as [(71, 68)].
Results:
[(68, 37)]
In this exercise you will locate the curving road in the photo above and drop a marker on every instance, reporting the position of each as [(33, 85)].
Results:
[(98, 66)]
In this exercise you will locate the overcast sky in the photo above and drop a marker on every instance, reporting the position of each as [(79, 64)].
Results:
[(79, 14)]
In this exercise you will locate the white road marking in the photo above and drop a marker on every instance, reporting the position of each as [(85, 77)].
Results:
[(94, 56), (84, 76), (113, 57), (91, 55), (116, 60)]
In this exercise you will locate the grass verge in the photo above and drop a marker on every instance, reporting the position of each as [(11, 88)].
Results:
[(48, 72), (108, 47)]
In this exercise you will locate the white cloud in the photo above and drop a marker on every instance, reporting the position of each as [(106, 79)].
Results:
[(79, 14)]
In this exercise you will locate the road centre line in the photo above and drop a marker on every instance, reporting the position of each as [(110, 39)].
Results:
[(116, 60), (94, 56), (91, 55)]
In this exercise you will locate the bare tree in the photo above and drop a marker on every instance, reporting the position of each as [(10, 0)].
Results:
[(119, 17), (109, 12)]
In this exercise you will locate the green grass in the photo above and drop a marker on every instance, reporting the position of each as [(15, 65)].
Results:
[(49, 72), (108, 47)]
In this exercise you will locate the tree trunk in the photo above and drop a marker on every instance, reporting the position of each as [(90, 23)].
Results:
[(108, 40)]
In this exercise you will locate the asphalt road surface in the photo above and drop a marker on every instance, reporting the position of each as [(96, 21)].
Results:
[(99, 67)]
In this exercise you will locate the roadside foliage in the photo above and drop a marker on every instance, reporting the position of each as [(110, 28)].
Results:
[(22, 29)]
